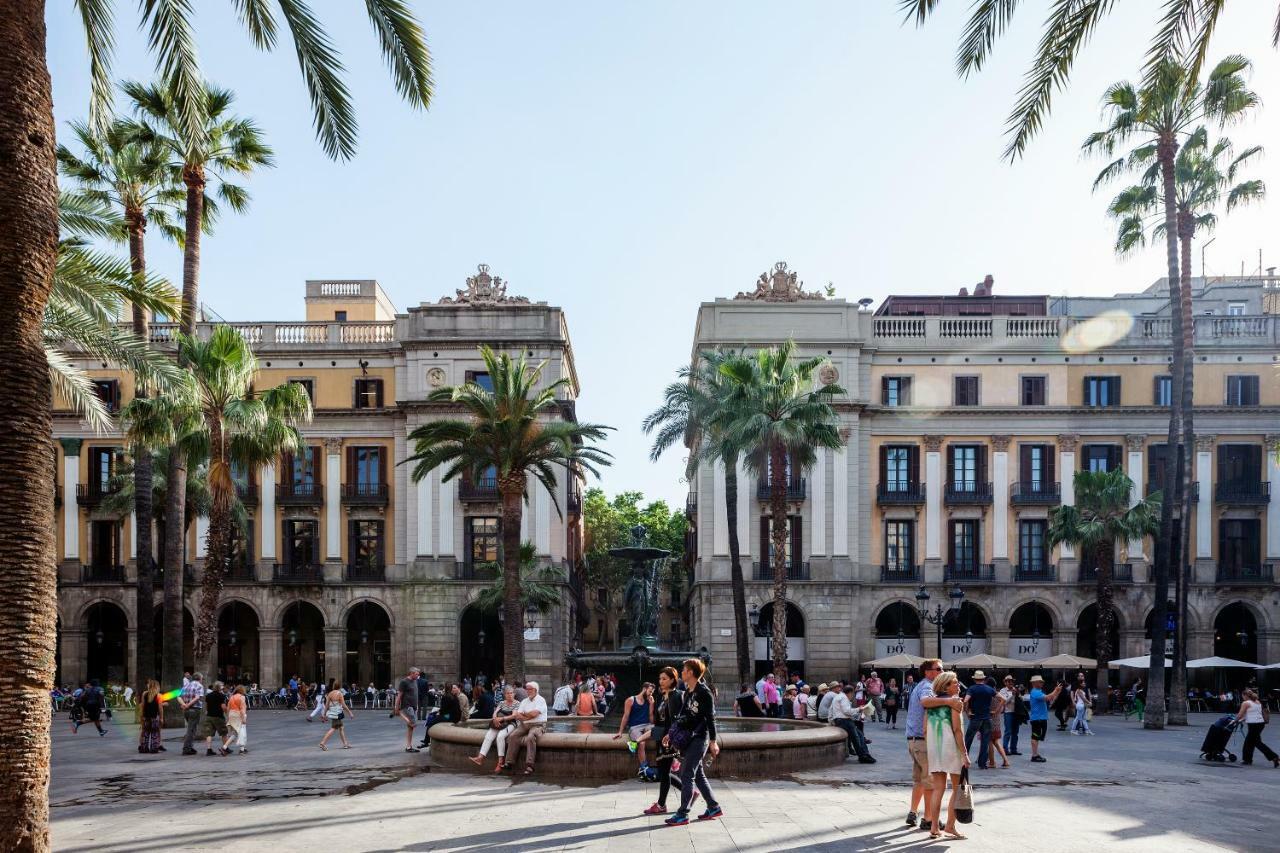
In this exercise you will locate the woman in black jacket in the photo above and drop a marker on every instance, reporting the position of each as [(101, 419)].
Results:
[(697, 721), (665, 710)]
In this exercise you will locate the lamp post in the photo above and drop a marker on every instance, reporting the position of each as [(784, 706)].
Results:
[(939, 614)]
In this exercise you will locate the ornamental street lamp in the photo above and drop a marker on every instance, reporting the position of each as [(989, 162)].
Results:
[(939, 615)]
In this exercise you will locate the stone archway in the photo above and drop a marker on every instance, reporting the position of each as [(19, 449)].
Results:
[(764, 640), (107, 629), (1235, 633), (1087, 633), (368, 645), (480, 646), (897, 628), (1031, 630), (239, 645), (964, 632), (302, 639)]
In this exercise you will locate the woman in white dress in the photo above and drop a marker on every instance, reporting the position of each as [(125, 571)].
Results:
[(944, 740)]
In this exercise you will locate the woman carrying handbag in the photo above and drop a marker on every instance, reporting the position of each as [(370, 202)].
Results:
[(944, 739)]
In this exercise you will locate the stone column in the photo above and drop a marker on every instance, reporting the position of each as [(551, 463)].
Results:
[(719, 517), (1272, 462), (1000, 498), (1204, 509), (1136, 469), (267, 524), (426, 547), (1066, 473), (70, 505), (73, 645), (335, 652), (270, 653), (333, 500), (446, 518), (933, 572), (746, 500), (818, 505), (840, 499)]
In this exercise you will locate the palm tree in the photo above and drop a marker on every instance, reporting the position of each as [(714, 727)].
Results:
[(1100, 517), (130, 178), (694, 412), (248, 428), (28, 257), (223, 145), (1203, 174), (539, 585), (1160, 115), (1183, 36), (778, 422), (510, 434)]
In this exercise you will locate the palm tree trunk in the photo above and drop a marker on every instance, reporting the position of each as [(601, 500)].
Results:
[(511, 488), (742, 632), (1106, 618), (142, 476), (1155, 716), (1178, 678), (778, 561), (28, 247), (216, 551), (193, 177)]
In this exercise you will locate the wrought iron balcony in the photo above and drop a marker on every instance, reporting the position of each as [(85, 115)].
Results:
[(574, 502), (1263, 574), (967, 492), (91, 494), (1120, 573), (298, 573), (796, 490), (899, 492), (101, 574), (241, 572), (691, 505), (1036, 493), (762, 571), (1045, 573), (1243, 493), (299, 494), (366, 573), (970, 573), (366, 494), (247, 493), (484, 489), (1152, 488), (899, 574), (474, 571)]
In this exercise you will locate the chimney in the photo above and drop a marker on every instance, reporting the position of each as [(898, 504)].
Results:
[(983, 287), (964, 291)]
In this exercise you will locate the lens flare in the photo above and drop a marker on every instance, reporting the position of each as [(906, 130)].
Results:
[(1097, 332), (172, 694)]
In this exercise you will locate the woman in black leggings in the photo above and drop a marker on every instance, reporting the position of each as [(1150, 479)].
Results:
[(697, 721), (665, 710)]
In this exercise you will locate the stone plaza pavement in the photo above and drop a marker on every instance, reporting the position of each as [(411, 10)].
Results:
[(1124, 790)]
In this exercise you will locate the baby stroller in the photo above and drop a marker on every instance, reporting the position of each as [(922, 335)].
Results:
[(1217, 739)]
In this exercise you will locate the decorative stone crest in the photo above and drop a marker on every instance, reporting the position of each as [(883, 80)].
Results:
[(1272, 443), (845, 432), (933, 443), (435, 377), (779, 286), (1067, 442), (1001, 443), (1204, 443), (484, 289), (333, 446), (1135, 443), (828, 374)]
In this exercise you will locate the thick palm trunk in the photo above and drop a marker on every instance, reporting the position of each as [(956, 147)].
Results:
[(511, 488), (1178, 678), (1155, 716), (1105, 591), (28, 247), (142, 477), (778, 562), (217, 552), (742, 632)]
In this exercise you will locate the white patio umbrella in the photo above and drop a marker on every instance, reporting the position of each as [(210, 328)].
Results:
[(1066, 662), (984, 661), (1140, 662), (898, 661), (1221, 662)]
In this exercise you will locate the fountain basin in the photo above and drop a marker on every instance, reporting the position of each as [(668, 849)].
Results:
[(574, 749)]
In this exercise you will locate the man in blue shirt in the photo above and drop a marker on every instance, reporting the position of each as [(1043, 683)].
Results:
[(1039, 715), (922, 698), (977, 701)]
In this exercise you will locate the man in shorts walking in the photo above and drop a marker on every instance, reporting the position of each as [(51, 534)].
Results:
[(1039, 716), (922, 698), (406, 706)]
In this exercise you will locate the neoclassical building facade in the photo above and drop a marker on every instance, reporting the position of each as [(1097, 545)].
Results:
[(348, 568), (964, 420)]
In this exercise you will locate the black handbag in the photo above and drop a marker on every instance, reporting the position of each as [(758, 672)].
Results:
[(964, 798)]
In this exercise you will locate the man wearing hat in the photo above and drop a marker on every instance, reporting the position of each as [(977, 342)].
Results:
[(827, 698), (1039, 716), (977, 702)]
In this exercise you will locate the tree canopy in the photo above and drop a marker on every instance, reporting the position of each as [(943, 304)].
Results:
[(608, 524)]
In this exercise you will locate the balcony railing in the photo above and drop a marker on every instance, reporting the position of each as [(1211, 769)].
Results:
[(796, 490), (366, 573), (366, 494), (899, 574), (91, 494), (1120, 573), (189, 577), (102, 574), (1243, 493), (1264, 574), (970, 573), (474, 571), (484, 489), (247, 493), (290, 334), (894, 493), (1152, 488), (961, 332), (970, 492), (1036, 493), (299, 494), (241, 572), (762, 571), (298, 573), (574, 502), (1035, 574), (691, 505)]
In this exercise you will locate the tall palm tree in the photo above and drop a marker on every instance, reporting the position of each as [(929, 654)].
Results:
[(1161, 114), (1182, 36), (1101, 517), (694, 413), (223, 145), (28, 256), (130, 177), (778, 421), (248, 428), (540, 586), (509, 432), (1203, 175)]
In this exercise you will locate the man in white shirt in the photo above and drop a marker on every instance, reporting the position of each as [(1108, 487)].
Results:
[(563, 699), (844, 713), (532, 713)]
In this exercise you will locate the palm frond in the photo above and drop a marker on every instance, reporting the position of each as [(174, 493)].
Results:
[(258, 21), (405, 47), (988, 20), (171, 38), (75, 386), (333, 117), (99, 30)]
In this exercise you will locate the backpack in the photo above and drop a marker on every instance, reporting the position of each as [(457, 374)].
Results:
[(1020, 712)]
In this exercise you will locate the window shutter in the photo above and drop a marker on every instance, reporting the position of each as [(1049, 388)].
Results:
[(1115, 391), (982, 466), (797, 541), (764, 541), (382, 466), (1114, 457), (1085, 399), (913, 460), (1024, 465), (1253, 462), (884, 390), (1225, 474), (884, 465), (1155, 390), (316, 464), (910, 528), (904, 392), (377, 387), (352, 474), (1050, 463), (951, 463), (353, 529)]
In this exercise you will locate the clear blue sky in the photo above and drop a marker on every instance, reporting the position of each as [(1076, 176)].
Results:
[(628, 161)]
